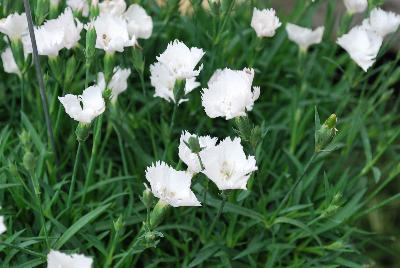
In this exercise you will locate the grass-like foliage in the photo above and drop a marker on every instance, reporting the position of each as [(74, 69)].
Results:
[(317, 185)]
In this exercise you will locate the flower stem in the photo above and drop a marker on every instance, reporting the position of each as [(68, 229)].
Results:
[(299, 179), (220, 209), (75, 170), (96, 142)]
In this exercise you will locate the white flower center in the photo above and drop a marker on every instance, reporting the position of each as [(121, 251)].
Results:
[(106, 39), (166, 194), (226, 171)]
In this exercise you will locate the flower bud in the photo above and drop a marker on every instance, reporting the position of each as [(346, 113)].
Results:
[(158, 213), (82, 132), (147, 197), (94, 9), (107, 94), (325, 134), (90, 42), (29, 161), (194, 144), (243, 127), (108, 67), (69, 71), (53, 12), (118, 224), (17, 49)]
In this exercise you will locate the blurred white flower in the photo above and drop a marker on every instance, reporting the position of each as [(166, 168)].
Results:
[(362, 45), (80, 6), (112, 33), (190, 158), (56, 259), (355, 6), (84, 108), (382, 22), (3, 227), (118, 83), (140, 24), (9, 64), (229, 93), (113, 7), (171, 186), (59, 33), (265, 22), (227, 165), (177, 62), (14, 26), (304, 37)]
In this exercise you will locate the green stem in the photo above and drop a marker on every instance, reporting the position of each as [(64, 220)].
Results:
[(216, 218), (74, 172), (96, 142), (288, 194)]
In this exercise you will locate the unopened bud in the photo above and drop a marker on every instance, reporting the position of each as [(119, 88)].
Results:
[(118, 224), (53, 12), (29, 161), (147, 198), (325, 134), (91, 36), (94, 9), (194, 145), (70, 71), (40, 11)]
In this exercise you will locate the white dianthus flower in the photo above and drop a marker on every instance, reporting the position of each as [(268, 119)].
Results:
[(112, 33), (171, 186), (362, 45), (14, 26), (227, 165), (229, 93), (86, 107), (9, 64), (56, 259), (140, 24), (356, 6), (113, 7), (3, 227), (177, 62), (187, 156), (382, 22), (118, 83), (56, 34), (304, 37), (265, 22), (81, 6)]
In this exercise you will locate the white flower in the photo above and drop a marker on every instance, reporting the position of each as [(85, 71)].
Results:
[(362, 44), (15, 26), (56, 259), (92, 104), (356, 6), (190, 158), (9, 64), (265, 22), (382, 22), (171, 186), (3, 227), (80, 6), (118, 83), (113, 7), (304, 37), (140, 24), (54, 35), (229, 93), (177, 62), (112, 33), (227, 165)]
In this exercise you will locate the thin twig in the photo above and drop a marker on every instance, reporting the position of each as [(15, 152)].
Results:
[(40, 78)]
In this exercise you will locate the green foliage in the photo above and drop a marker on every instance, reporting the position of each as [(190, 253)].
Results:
[(326, 221)]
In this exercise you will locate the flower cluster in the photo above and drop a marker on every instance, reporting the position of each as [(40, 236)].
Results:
[(363, 42)]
